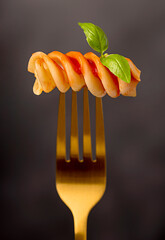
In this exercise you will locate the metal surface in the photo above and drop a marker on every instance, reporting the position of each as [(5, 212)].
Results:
[(80, 183)]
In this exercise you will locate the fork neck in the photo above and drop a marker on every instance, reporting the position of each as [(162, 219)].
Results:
[(80, 226)]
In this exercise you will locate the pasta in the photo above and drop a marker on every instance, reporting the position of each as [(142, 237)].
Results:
[(76, 70)]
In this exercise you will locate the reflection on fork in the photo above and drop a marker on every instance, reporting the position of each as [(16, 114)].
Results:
[(80, 183)]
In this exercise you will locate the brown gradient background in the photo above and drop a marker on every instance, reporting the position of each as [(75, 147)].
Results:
[(133, 205)]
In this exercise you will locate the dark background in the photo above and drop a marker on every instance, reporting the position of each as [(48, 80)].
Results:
[(133, 205)]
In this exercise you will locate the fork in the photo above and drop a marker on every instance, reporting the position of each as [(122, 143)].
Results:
[(80, 183)]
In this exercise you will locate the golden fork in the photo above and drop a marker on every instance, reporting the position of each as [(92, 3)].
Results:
[(80, 183)]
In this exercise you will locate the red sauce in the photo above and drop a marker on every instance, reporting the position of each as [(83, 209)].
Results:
[(76, 65), (93, 67)]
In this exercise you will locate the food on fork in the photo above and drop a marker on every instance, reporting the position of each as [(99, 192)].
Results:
[(112, 74), (75, 70)]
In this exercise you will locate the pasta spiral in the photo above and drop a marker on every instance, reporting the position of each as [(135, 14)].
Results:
[(76, 70)]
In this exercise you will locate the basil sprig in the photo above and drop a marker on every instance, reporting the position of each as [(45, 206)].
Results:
[(97, 40), (95, 37), (118, 65)]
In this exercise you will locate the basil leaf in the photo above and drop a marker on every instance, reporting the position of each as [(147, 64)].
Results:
[(95, 37), (118, 65)]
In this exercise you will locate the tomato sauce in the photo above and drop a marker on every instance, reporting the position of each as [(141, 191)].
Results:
[(93, 67), (76, 65)]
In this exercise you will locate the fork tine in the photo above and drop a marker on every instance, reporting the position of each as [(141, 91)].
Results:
[(100, 136), (61, 138), (87, 149), (74, 143)]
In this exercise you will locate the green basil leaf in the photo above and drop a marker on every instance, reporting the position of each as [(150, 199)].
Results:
[(95, 37), (118, 65)]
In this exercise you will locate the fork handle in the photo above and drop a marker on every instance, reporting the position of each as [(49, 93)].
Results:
[(80, 226)]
